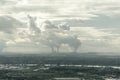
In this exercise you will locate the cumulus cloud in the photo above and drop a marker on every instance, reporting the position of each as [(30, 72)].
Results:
[(64, 26), (48, 25)]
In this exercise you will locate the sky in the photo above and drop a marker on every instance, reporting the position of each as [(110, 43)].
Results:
[(34, 26)]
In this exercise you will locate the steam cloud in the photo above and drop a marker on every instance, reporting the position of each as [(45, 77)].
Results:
[(53, 36)]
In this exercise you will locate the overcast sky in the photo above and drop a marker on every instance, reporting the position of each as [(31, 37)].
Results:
[(94, 22)]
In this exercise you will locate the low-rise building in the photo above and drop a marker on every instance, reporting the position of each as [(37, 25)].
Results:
[(67, 79)]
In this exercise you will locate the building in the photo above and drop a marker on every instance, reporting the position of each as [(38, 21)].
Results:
[(67, 79)]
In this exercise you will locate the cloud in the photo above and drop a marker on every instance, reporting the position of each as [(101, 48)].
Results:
[(56, 36), (64, 26), (65, 8), (97, 39), (100, 21), (34, 8), (51, 36), (7, 2), (8, 28), (9, 24), (48, 25), (94, 19)]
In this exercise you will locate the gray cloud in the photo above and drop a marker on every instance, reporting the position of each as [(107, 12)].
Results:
[(100, 21), (34, 8), (8, 24), (32, 25), (7, 2), (48, 25), (8, 28)]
